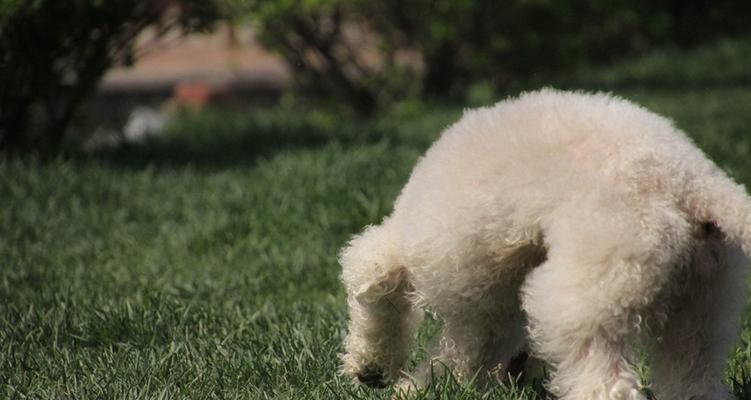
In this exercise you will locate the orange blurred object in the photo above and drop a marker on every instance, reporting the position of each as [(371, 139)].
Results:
[(197, 95)]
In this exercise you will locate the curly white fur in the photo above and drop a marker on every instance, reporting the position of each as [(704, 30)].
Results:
[(573, 225)]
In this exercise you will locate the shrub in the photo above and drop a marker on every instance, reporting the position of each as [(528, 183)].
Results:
[(461, 42), (53, 53), (321, 41)]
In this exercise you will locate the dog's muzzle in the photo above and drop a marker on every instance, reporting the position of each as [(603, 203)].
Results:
[(372, 377)]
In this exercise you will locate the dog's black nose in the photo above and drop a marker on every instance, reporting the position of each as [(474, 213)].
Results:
[(372, 377)]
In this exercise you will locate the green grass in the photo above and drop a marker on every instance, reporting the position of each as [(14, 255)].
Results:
[(203, 263)]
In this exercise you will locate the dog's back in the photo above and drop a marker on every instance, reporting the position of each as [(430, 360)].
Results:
[(548, 148)]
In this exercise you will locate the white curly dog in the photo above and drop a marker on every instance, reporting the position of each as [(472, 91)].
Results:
[(574, 226)]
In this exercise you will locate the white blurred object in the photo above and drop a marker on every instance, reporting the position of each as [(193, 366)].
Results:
[(143, 122)]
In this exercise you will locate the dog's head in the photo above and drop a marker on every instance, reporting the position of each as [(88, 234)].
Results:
[(380, 313)]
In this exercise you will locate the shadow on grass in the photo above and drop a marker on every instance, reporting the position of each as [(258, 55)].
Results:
[(652, 83), (214, 139), (719, 65)]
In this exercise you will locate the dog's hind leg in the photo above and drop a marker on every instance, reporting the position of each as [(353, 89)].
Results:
[(691, 351), (608, 263), (382, 317), (474, 347), (483, 324)]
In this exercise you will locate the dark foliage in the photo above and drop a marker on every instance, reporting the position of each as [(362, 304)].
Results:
[(331, 44), (53, 53)]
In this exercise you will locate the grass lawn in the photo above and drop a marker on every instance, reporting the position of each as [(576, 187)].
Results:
[(203, 263)]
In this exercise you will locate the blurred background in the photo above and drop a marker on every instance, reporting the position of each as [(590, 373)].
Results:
[(178, 176), (125, 67)]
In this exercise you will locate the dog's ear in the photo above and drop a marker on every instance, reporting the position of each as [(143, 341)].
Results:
[(382, 286)]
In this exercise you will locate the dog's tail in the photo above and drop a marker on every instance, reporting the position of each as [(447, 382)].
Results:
[(715, 198)]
